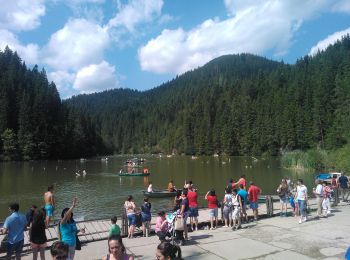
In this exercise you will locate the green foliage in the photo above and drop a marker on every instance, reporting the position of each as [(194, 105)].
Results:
[(236, 105), (311, 159), (9, 145), (40, 126)]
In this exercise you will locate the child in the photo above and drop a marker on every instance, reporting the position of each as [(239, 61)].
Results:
[(326, 205), (115, 229)]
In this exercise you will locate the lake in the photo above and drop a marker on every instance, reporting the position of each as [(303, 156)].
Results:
[(101, 193)]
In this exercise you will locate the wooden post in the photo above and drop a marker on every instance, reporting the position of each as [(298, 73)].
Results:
[(336, 197), (124, 230), (269, 205)]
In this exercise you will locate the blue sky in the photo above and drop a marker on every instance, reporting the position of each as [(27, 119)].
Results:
[(89, 46)]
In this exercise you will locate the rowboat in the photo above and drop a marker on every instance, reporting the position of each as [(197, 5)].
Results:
[(159, 194), (134, 174), (327, 176)]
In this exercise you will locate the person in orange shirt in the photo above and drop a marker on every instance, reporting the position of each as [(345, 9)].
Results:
[(242, 181)]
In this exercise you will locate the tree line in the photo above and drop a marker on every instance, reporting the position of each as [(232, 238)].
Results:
[(34, 123), (235, 104)]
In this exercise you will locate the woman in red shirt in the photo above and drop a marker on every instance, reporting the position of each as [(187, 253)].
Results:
[(213, 208)]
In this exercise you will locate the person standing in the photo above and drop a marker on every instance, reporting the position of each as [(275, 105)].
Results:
[(114, 229), (343, 185), (244, 197), (301, 197), (192, 196), (68, 229), (326, 205), (130, 208), (283, 192), (50, 204), (37, 235), (318, 192), (213, 208), (184, 212), (228, 207), (254, 192), (237, 205), (14, 226), (146, 217)]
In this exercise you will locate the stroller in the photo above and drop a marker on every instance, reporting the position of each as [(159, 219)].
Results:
[(175, 230)]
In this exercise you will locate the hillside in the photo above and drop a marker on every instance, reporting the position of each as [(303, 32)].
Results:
[(235, 104)]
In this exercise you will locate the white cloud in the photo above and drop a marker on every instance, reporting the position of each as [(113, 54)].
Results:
[(21, 15), (253, 26), (135, 12), (78, 44), (322, 45), (64, 81), (28, 53), (96, 77), (342, 6)]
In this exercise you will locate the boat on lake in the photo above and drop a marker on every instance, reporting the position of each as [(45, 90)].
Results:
[(133, 174), (327, 176), (159, 193)]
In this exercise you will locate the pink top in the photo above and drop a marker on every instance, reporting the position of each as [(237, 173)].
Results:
[(159, 223)]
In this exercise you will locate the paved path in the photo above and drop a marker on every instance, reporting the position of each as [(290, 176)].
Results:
[(271, 238)]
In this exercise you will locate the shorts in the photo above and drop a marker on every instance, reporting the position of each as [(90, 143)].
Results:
[(213, 212), (16, 247), (254, 205), (227, 212), (132, 219), (38, 246), (235, 212), (284, 199), (145, 217), (193, 212), (302, 207), (49, 210)]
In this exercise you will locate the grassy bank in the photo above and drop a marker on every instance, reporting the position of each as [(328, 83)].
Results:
[(318, 159)]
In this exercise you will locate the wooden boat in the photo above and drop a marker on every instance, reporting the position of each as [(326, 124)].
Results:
[(134, 174), (159, 194)]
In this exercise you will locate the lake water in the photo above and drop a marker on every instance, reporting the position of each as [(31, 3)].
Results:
[(101, 193)]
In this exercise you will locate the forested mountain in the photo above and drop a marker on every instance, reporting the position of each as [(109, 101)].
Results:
[(34, 124), (236, 104)]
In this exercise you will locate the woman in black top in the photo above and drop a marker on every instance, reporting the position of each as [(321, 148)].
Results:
[(37, 234)]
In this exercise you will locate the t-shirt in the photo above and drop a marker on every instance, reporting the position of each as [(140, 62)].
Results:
[(319, 190), (243, 194), (301, 192), (114, 230), (150, 189), (253, 192), (185, 202), (326, 191), (192, 199), (15, 224), (343, 182), (212, 202), (228, 198), (146, 208)]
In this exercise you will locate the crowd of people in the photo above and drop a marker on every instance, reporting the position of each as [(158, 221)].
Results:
[(169, 227)]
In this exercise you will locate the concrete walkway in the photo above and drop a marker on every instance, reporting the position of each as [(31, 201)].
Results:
[(271, 238)]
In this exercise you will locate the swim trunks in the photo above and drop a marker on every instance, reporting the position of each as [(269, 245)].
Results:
[(49, 210)]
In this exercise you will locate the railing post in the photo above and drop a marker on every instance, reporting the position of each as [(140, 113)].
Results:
[(336, 197), (124, 223), (269, 205)]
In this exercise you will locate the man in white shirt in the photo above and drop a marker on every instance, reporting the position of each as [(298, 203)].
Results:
[(301, 197), (318, 192)]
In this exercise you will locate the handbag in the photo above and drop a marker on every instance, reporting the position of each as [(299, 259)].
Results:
[(4, 243), (77, 243), (179, 224)]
